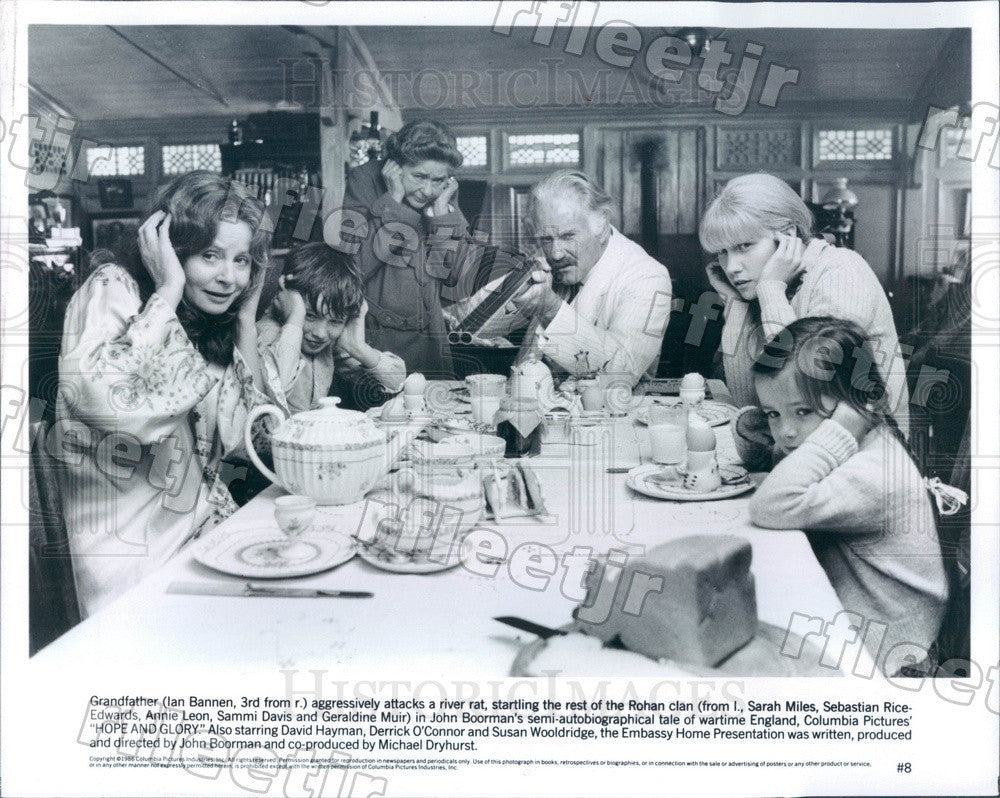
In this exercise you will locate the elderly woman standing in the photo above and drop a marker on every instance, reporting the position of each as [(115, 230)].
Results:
[(410, 245), (771, 271)]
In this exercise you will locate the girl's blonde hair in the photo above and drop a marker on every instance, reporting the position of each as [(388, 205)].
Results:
[(750, 207)]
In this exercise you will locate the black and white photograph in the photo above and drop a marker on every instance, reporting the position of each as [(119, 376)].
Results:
[(496, 399)]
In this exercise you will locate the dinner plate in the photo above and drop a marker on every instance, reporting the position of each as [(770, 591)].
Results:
[(264, 553), (760, 657), (402, 563), (715, 413), (444, 428), (409, 418), (734, 483)]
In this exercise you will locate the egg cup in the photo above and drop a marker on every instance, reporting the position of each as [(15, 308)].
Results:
[(294, 515)]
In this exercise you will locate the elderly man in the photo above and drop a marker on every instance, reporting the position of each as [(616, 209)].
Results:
[(599, 301)]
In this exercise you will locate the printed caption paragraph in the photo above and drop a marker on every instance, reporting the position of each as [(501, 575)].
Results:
[(172, 730)]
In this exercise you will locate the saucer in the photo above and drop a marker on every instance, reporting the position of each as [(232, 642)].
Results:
[(403, 563), (265, 553), (715, 413), (639, 480)]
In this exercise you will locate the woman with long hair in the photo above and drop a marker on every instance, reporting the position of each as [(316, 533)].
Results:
[(157, 372), (411, 244), (771, 270)]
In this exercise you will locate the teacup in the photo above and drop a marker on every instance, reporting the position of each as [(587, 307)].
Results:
[(454, 499), (486, 385), (485, 408), (557, 426), (487, 449), (668, 443), (668, 414), (446, 457), (589, 431)]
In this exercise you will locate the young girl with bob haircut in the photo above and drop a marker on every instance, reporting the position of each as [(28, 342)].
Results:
[(157, 372), (846, 478), (770, 270)]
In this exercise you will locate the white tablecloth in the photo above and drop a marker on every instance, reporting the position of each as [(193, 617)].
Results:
[(441, 625)]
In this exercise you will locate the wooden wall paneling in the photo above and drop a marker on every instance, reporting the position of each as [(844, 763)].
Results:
[(805, 159), (676, 155), (874, 235), (591, 152), (669, 164), (631, 188), (612, 164), (689, 180)]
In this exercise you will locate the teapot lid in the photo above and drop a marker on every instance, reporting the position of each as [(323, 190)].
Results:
[(328, 411), (531, 366), (328, 426)]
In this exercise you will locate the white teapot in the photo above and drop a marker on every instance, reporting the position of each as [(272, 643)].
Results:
[(332, 455), (532, 380)]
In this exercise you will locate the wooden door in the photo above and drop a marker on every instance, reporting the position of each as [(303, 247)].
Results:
[(657, 175)]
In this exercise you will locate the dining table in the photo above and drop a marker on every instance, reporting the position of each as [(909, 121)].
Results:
[(442, 624)]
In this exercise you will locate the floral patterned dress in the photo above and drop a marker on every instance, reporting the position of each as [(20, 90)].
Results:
[(142, 422)]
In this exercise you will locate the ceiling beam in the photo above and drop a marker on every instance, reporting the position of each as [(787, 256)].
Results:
[(208, 89), (36, 95)]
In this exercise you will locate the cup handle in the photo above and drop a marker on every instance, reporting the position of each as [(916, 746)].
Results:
[(257, 412)]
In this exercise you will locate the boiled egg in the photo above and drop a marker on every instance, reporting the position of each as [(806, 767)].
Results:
[(414, 384), (693, 380)]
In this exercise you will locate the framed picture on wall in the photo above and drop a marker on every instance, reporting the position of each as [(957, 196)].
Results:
[(58, 207), (113, 230), (115, 193)]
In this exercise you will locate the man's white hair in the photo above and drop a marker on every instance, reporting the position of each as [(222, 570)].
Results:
[(591, 198)]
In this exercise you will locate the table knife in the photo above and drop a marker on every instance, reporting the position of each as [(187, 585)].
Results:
[(544, 632), (269, 591)]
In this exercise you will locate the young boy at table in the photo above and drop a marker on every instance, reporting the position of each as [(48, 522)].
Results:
[(315, 328), (844, 475)]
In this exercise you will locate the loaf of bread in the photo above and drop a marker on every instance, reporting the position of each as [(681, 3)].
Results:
[(690, 600)]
